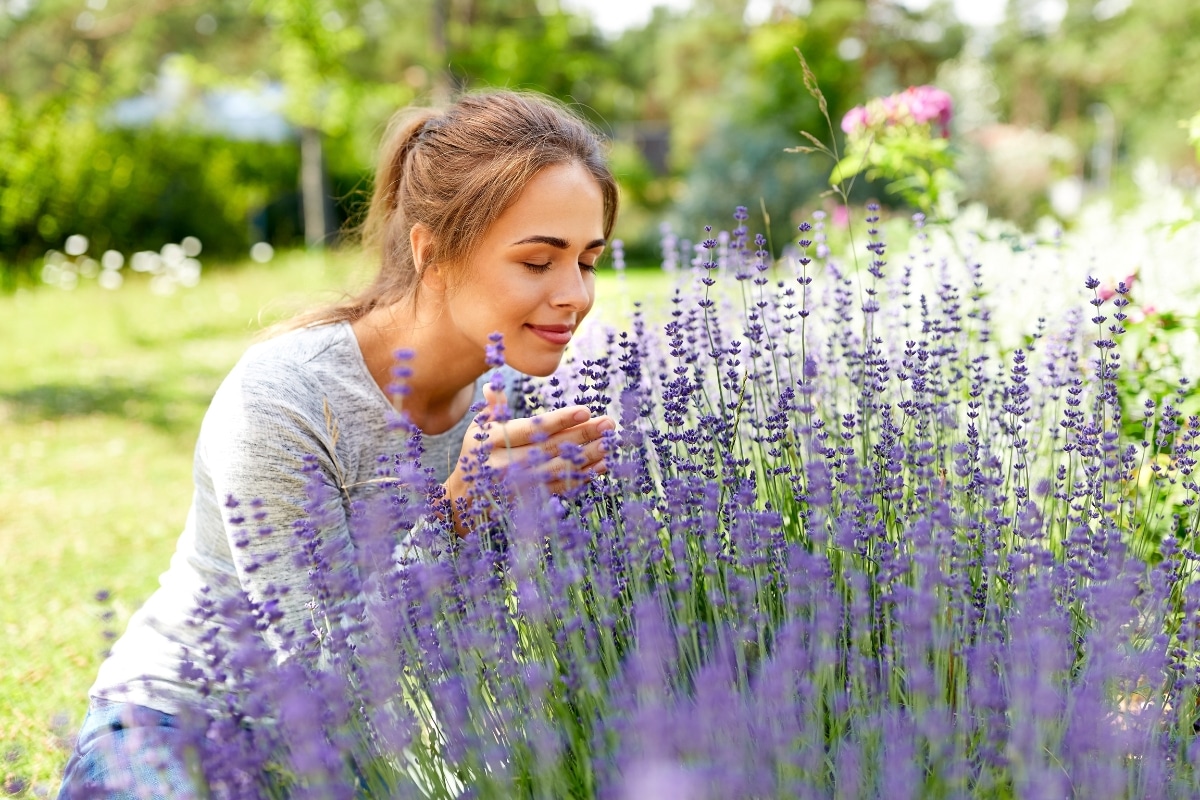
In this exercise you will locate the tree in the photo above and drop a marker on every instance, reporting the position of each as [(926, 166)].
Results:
[(1140, 59), (747, 110), (345, 68)]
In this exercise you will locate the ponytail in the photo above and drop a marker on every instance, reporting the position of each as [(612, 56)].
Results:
[(403, 132)]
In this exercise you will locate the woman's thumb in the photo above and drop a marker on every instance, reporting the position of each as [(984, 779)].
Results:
[(497, 403)]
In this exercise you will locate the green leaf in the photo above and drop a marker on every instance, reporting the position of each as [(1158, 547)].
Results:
[(847, 168)]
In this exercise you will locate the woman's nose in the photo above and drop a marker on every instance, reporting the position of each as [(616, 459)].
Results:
[(574, 291)]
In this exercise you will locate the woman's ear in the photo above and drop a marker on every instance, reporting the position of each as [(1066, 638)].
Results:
[(420, 238)]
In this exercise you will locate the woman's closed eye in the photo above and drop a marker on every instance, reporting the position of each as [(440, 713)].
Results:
[(540, 268)]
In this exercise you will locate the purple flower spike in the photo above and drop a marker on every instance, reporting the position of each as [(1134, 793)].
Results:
[(844, 544), (494, 357)]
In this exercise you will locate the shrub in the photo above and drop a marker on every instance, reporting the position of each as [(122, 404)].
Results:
[(63, 172)]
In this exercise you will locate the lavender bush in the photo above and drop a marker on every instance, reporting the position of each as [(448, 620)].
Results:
[(849, 545)]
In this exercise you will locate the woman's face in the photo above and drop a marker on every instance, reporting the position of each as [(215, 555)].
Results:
[(533, 277)]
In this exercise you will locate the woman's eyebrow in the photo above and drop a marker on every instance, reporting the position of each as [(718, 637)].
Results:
[(555, 241)]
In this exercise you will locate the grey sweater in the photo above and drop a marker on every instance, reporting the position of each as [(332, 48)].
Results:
[(304, 393)]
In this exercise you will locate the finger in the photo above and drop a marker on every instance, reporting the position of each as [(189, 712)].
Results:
[(594, 430), (582, 455), (584, 434), (561, 474), (577, 458), (575, 476), (497, 402), (540, 428), (594, 451)]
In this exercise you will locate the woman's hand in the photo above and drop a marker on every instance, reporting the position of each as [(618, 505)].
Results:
[(556, 448)]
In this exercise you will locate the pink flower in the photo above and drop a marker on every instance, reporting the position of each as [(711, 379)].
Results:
[(928, 104), (855, 119), (917, 104), (1137, 315), (1108, 288)]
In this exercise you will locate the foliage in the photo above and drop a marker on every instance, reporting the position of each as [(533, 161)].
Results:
[(903, 138), (67, 174), (721, 85), (1057, 71), (1193, 129), (760, 106), (68, 169)]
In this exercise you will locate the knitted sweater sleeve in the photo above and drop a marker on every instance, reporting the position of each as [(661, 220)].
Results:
[(275, 511)]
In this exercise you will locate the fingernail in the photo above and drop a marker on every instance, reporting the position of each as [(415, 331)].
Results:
[(600, 468), (581, 415), (606, 425)]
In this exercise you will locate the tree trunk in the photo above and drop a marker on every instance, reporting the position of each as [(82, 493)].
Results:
[(315, 201), (440, 50)]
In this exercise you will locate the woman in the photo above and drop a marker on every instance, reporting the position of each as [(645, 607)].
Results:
[(487, 217)]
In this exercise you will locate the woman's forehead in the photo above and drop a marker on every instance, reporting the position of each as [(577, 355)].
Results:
[(562, 202)]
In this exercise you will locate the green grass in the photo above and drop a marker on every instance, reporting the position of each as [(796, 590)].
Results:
[(101, 397)]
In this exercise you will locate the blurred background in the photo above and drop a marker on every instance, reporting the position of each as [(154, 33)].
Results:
[(136, 123)]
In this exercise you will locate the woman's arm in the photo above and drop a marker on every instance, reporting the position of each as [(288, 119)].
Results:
[(271, 496)]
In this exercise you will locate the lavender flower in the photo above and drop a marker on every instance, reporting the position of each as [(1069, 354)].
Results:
[(843, 548)]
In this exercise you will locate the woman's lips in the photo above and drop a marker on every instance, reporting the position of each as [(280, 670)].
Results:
[(555, 334)]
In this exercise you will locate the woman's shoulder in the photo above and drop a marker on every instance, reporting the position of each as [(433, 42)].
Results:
[(313, 351), (309, 345), (298, 369)]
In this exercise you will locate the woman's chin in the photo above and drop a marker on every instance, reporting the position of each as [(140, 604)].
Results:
[(542, 367), (538, 373)]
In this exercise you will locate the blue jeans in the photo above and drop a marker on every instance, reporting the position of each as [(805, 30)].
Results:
[(127, 752)]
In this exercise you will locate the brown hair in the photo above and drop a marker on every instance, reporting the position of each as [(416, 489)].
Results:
[(456, 171)]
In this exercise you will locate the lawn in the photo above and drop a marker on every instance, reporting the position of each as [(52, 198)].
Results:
[(101, 396)]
